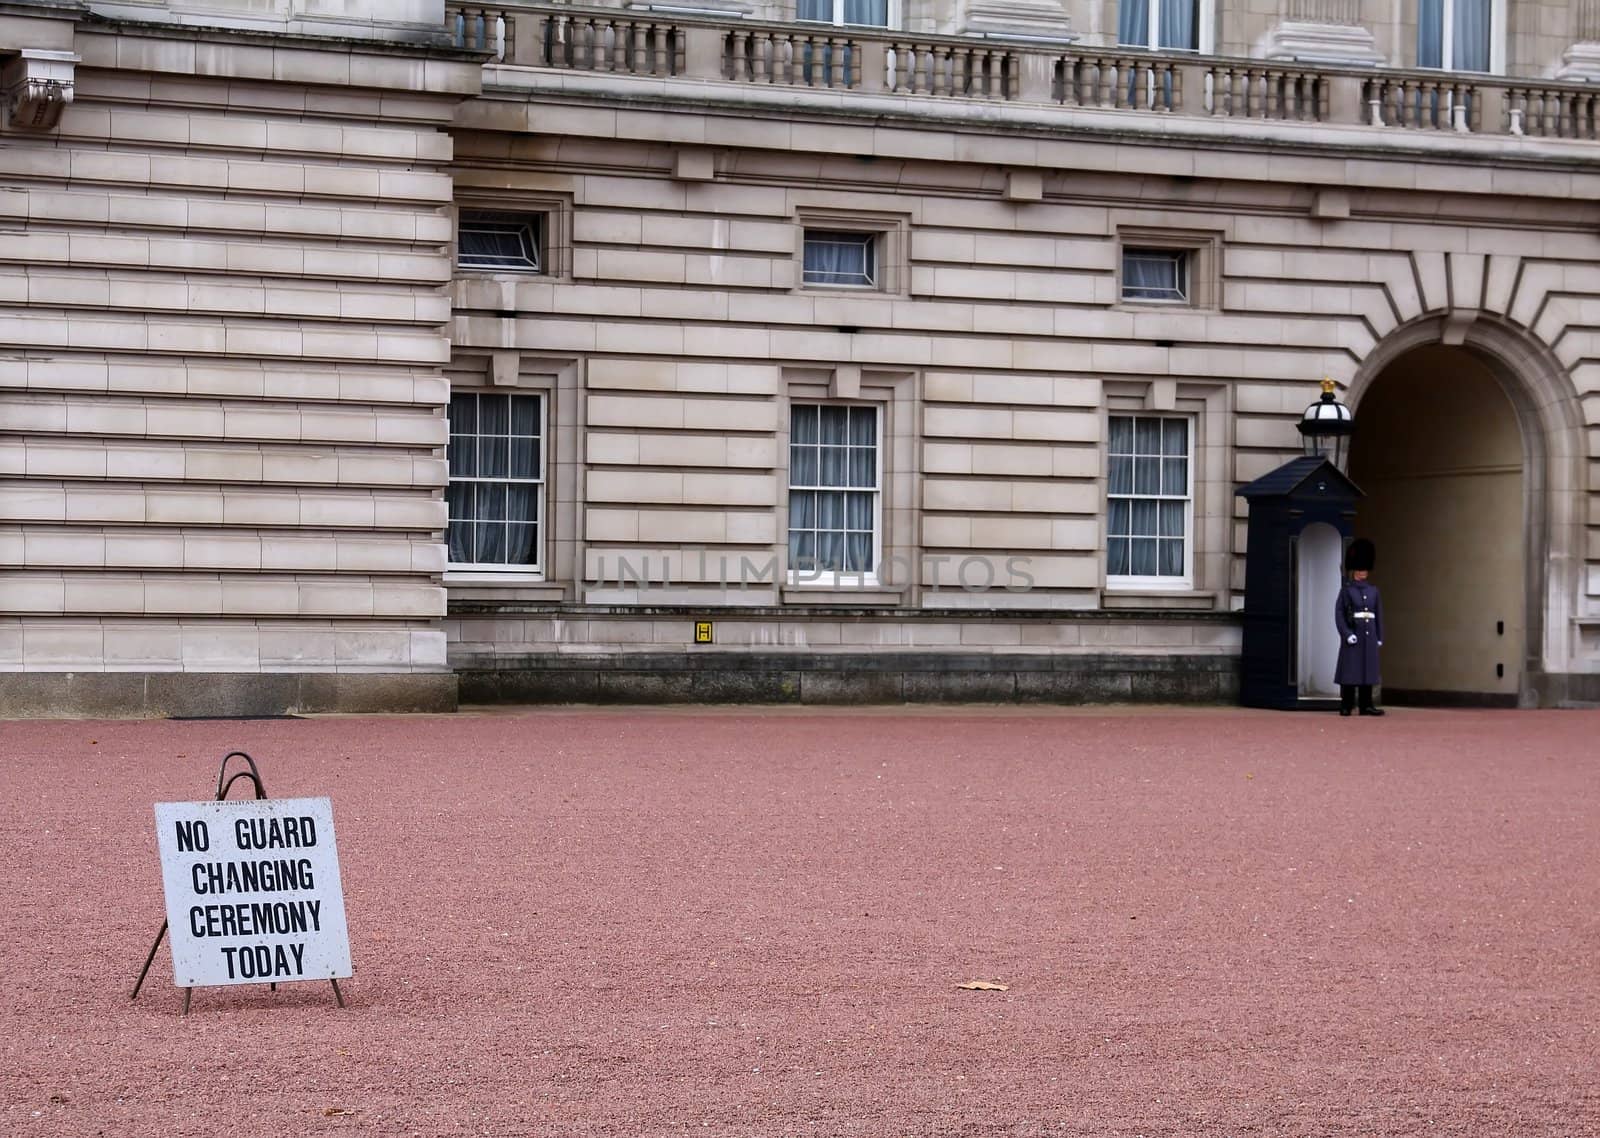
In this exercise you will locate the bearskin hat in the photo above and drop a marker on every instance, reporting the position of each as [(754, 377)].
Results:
[(1360, 555)]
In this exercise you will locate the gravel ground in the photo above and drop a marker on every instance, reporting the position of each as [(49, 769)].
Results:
[(754, 921)]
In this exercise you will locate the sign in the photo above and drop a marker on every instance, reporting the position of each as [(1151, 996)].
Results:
[(702, 632), (253, 891)]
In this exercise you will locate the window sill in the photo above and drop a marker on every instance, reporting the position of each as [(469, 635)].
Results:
[(868, 596), (503, 586), (1143, 597)]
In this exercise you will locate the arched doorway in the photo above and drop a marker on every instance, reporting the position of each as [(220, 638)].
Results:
[(1441, 455)]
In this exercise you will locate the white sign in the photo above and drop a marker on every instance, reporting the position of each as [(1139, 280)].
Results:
[(253, 891)]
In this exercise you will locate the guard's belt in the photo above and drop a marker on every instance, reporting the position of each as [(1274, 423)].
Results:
[(1365, 615)]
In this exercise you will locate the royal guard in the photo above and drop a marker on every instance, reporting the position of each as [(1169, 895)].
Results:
[(1359, 615)]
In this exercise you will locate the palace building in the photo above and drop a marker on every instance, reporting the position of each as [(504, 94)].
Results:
[(390, 354)]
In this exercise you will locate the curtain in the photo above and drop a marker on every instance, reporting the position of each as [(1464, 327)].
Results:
[(495, 464), (1153, 275), (871, 13), (1148, 486), (1430, 33), (833, 478), (1178, 24), (838, 258), (1471, 35), (1133, 22)]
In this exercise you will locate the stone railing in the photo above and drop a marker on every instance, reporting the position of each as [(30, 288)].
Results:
[(882, 62)]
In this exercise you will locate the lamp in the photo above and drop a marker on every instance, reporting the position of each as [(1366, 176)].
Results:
[(1326, 426)]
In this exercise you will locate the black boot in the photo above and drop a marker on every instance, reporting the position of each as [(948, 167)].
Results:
[(1347, 698), (1366, 701)]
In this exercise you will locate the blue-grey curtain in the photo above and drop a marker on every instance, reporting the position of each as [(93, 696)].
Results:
[(1178, 24), (872, 13), (1471, 46), (1133, 22), (1430, 33)]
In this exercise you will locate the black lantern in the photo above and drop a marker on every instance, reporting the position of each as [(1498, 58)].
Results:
[(1326, 427)]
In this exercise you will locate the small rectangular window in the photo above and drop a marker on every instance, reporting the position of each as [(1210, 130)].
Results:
[(496, 491), (1149, 500), (503, 241), (841, 259), (1156, 274), (834, 507)]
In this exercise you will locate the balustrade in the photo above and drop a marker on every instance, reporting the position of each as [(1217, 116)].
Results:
[(797, 56), (1553, 112), (1119, 81), (591, 41), (1263, 91), (968, 71), (1415, 102), (873, 61)]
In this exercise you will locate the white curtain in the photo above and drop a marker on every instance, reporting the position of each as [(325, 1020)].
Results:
[(1148, 486), (832, 446), (1152, 275), (495, 467), (838, 258)]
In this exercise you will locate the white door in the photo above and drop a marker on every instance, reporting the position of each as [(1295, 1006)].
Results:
[(1320, 552)]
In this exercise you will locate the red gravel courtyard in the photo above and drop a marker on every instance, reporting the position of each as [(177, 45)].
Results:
[(753, 922)]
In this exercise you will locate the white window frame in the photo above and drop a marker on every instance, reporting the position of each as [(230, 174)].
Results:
[(507, 570), (537, 221), (871, 241), (1447, 48), (803, 577), (1184, 258), (1205, 37), (1144, 581), (892, 15)]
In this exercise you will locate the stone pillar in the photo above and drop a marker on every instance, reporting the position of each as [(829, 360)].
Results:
[(1322, 31), (1020, 19), (1582, 60)]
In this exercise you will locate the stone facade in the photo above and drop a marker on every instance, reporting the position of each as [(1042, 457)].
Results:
[(232, 321)]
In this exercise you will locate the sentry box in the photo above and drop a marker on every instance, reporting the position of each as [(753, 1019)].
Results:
[(253, 891)]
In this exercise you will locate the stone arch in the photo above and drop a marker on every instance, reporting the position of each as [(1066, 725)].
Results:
[(1550, 415)]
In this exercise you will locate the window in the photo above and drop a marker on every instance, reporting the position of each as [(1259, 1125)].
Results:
[(1150, 501), (834, 483), (1456, 35), (841, 259), (503, 241), (1155, 274), (866, 13), (1161, 23), (497, 477)]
